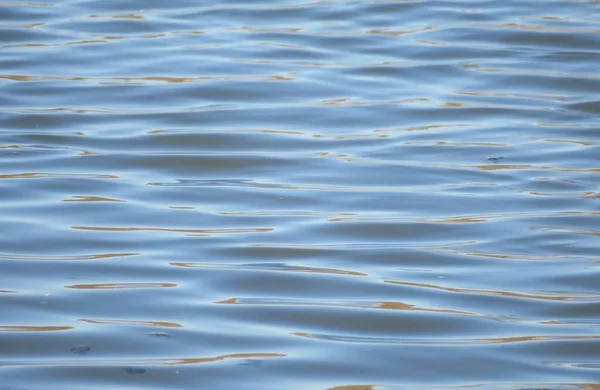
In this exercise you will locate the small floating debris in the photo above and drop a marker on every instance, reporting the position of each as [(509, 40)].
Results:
[(159, 334), (495, 158), (134, 370), (81, 349)]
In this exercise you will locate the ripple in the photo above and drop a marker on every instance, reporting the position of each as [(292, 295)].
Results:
[(349, 304), (544, 297), (366, 246), (13, 256), (479, 386), (115, 286), (83, 198), (24, 328), (445, 341), (473, 218), (56, 175), (187, 232), (270, 267), (514, 256), (140, 362), (529, 72), (592, 366), (559, 229), (159, 324), (425, 173), (128, 80), (285, 213), (25, 4)]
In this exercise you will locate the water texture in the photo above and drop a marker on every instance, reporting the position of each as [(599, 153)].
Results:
[(341, 195)]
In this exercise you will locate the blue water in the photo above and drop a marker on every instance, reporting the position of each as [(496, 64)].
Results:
[(341, 195)]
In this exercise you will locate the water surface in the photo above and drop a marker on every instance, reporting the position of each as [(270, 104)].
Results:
[(343, 195)]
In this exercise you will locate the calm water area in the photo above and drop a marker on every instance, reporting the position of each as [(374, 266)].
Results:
[(300, 195)]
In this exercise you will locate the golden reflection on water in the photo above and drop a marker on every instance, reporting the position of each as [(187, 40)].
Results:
[(81, 198), (271, 267), (142, 362), (591, 386), (85, 42), (466, 219), (569, 141), (452, 104), (443, 341), (222, 357), (431, 42), (113, 286), (384, 305), (495, 292), (8, 256), (161, 324), (31, 25), (127, 80), (473, 218)]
